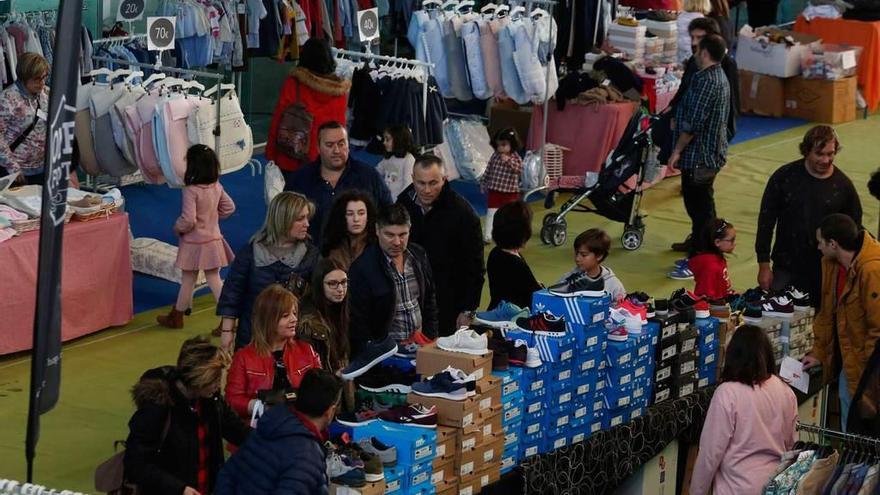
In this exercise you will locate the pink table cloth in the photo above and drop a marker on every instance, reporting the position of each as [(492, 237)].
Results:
[(96, 281), (590, 131)]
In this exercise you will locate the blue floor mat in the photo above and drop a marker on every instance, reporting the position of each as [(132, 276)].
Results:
[(153, 209)]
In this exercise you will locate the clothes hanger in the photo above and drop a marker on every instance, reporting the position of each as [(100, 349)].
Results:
[(502, 11), (517, 12), (537, 13), (222, 87), (489, 7)]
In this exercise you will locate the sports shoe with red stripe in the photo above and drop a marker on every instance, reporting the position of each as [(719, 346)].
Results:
[(545, 323)]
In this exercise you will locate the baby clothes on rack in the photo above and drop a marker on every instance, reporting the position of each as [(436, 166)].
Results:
[(83, 130), (110, 158), (236, 138)]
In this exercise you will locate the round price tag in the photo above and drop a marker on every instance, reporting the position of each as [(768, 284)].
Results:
[(160, 33), (130, 10), (368, 24)]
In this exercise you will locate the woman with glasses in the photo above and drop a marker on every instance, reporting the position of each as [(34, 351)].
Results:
[(325, 315), (24, 107)]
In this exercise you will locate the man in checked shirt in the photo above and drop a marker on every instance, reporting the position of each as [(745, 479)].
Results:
[(700, 132)]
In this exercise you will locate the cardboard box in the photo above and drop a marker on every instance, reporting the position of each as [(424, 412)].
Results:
[(491, 421), (454, 413), (468, 439), (772, 59), (760, 94), (490, 450), (489, 393), (481, 479), (444, 473), (445, 449), (377, 488), (820, 100), (431, 360)]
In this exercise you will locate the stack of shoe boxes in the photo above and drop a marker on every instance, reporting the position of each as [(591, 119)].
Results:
[(667, 31), (709, 349), (665, 356), (376, 488), (628, 39), (629, 376), (798, 331), (511, 416), (774, 327), (571, 407), (415, 453), (477, 444)]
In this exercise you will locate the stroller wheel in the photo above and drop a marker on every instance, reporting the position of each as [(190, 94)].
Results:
[(546, 231), (559, 233), (632, 239), (549, 219)]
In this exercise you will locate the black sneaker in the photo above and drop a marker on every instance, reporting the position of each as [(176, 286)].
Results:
[(752, 314), (778, 307), (500, 356), (683, 299), (801, 300), (661, 307), (579, 285), (387, 379), (544, 323), (373, 353)]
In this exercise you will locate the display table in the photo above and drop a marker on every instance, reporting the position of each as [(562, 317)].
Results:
[(96, 281), (589, 131), (857, 33)]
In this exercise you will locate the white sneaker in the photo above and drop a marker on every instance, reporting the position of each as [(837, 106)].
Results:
[(466, 341), (533, 357), (632, 323)]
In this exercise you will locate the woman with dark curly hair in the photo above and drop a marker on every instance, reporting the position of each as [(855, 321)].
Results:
[(351, 225)]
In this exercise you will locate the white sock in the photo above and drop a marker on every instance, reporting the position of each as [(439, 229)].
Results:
[(487, 228)]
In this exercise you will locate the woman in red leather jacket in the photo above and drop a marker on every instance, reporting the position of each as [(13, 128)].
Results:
[(274, 363)]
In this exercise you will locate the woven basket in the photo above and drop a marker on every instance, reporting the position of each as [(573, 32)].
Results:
[(103, 212), (22, 226), (553, 160)]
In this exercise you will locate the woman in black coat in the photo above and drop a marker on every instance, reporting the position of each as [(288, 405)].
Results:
[(278, 251), (175, 440)]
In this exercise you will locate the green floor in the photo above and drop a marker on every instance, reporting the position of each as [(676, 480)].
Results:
[(99, 370)]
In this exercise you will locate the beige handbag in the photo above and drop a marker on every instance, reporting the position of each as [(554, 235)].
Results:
[(236, 139)]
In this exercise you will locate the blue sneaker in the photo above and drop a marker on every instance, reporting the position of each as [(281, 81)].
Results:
[(441, 385), (503, 316), (681, 263), (681, 274)]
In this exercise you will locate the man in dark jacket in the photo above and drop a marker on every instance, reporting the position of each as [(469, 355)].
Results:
[(333, 173), (449, 229), (391, 285), (286, 454), (174, 404)]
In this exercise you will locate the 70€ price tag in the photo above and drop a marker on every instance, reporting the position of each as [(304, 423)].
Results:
[(160, 33)]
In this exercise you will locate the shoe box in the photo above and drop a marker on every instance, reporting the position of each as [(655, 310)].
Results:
[(583, 311), (512, 409), (489, 450), (510, 458), (510, 381), (395, 479), (418, 475), (475, 483), (684, 384), (414, 445), (534, 381), (551, 349), (492, 421), (530, 449), (489, 392), (707, 376), (431, 360), (376, 488), (591, 338), (555, 439), (454, 413), (621, 354)]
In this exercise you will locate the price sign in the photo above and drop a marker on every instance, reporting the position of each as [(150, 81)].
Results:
[(160, 33), (130, 10), (368, 25)]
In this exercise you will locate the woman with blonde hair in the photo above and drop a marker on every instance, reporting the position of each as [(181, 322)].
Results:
[(279, 253), (692, 9), (175, 440), (271, 367), (23, 109)]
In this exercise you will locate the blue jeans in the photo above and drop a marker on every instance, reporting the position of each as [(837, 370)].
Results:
[(845, 399)]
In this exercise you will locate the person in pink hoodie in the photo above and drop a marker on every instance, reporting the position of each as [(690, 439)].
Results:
[(202, 246), (750, 423)]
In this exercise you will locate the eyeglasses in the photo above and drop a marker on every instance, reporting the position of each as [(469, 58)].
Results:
[(732, 240), (335, 284)]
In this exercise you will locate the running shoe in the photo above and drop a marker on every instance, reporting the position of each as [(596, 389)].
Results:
[(503, 316), (543, 324), (578, 284)]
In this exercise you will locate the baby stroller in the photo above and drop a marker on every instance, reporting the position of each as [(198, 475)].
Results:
[(607, 190)]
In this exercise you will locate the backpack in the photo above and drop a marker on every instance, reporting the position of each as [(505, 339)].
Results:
[(294, 130)]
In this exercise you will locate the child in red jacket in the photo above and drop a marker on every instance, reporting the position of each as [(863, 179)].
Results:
[(708, 264)]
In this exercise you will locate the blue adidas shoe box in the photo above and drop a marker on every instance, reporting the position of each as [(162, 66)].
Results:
[(510, 458), (512, 411), (558, 419), (590, 338), (513, 434), (616, 399), (620, 378), (551, 349), (527, 450), (621, 354), (563, 371), (615, 418), (395, 479), (591, 362), (511, 381), (414, 445), (418, 475), (561, 391), (555, 439), (577, 310), (424, 488), (532, 429), (707, 375)]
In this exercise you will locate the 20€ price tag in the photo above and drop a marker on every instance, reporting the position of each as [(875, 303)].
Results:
[(130, 10), (160, 33)]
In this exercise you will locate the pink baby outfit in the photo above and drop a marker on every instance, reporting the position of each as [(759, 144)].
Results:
[(202, 246), (745, 433)]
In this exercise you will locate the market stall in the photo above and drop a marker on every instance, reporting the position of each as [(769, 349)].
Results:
[(96, 287), (855, 33)]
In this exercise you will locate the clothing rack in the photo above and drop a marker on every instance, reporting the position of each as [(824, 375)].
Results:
[(399, 60), (119, 39), (850, 438)]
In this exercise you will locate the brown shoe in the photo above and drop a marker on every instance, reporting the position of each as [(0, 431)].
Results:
[(174, 319)]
